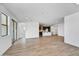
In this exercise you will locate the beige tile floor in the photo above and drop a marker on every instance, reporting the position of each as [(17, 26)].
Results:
[(44, 46)]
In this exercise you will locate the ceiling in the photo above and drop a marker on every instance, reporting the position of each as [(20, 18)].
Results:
[(44, 13)]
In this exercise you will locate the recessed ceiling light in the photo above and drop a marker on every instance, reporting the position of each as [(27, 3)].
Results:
[(28, 18)]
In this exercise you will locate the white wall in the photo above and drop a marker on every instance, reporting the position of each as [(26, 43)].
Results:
[(21, 30), (72, 29), (61, 29), (5, 42), (32, 30), (28, 30)]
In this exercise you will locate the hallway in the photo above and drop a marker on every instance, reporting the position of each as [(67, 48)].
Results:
[(44, 46)]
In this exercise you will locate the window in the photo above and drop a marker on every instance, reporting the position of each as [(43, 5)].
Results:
[(4, 24)]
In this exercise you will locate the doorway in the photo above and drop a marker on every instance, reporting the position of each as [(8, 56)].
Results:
[(14, 23)]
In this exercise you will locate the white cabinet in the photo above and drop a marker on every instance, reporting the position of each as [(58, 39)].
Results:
[(47, 34)]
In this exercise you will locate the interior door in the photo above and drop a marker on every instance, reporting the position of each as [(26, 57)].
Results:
[(14, 31)]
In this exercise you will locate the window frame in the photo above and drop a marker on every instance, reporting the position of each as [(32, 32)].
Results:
[(5, 25)]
